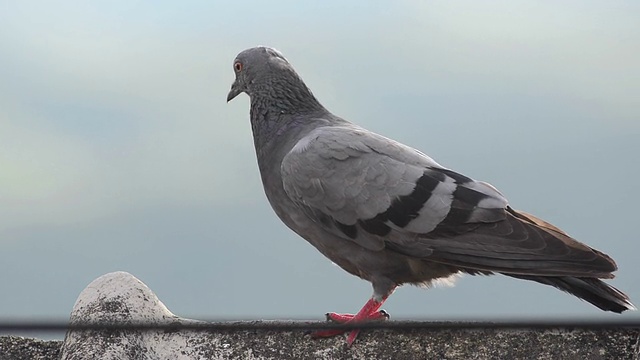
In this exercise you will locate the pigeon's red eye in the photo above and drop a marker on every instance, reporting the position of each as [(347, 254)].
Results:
[(237, 66)]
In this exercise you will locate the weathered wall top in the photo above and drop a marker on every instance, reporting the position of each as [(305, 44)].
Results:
[(121, 298)]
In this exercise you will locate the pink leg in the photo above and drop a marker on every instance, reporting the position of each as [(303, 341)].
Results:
[(370, 311), (364, 314), (344, 318)]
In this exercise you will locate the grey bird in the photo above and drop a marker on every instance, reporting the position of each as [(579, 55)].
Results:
[(390, 214)]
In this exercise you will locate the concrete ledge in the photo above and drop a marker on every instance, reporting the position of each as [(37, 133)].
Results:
[(121, 299), (372, 344), (19, 348)]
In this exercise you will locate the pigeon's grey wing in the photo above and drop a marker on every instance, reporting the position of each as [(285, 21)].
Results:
[(383, 194), (374, 190), (521, 244)]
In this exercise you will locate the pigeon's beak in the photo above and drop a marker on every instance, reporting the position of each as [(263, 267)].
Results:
[(235, 91)]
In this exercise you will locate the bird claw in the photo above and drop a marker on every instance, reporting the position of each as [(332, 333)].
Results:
[(369, 312), (378, 315), (384, 315), (345, 318)]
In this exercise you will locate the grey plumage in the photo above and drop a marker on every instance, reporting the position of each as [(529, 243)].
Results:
[(390, 214)]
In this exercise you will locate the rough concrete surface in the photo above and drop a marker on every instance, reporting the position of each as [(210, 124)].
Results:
[(19, 348), (119, 298), (372, 344)]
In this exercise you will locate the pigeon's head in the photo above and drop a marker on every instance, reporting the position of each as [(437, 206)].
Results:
[(256, 66)]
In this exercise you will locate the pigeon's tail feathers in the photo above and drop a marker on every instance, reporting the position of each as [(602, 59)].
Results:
[(519, 244), (592, 290)]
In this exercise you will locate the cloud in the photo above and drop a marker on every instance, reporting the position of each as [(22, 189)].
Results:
[(581, 54), (96, 122), (102, 113)]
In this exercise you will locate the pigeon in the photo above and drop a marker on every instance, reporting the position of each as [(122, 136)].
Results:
[(390, 214)]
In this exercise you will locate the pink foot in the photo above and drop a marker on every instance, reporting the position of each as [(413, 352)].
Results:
[(344, 318), (369, 312)]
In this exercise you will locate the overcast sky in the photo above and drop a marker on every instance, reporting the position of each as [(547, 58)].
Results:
[(119, 152)]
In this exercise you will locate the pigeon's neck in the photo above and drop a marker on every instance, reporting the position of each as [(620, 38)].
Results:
[(275, 133), (282, 95), (280, 108)]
